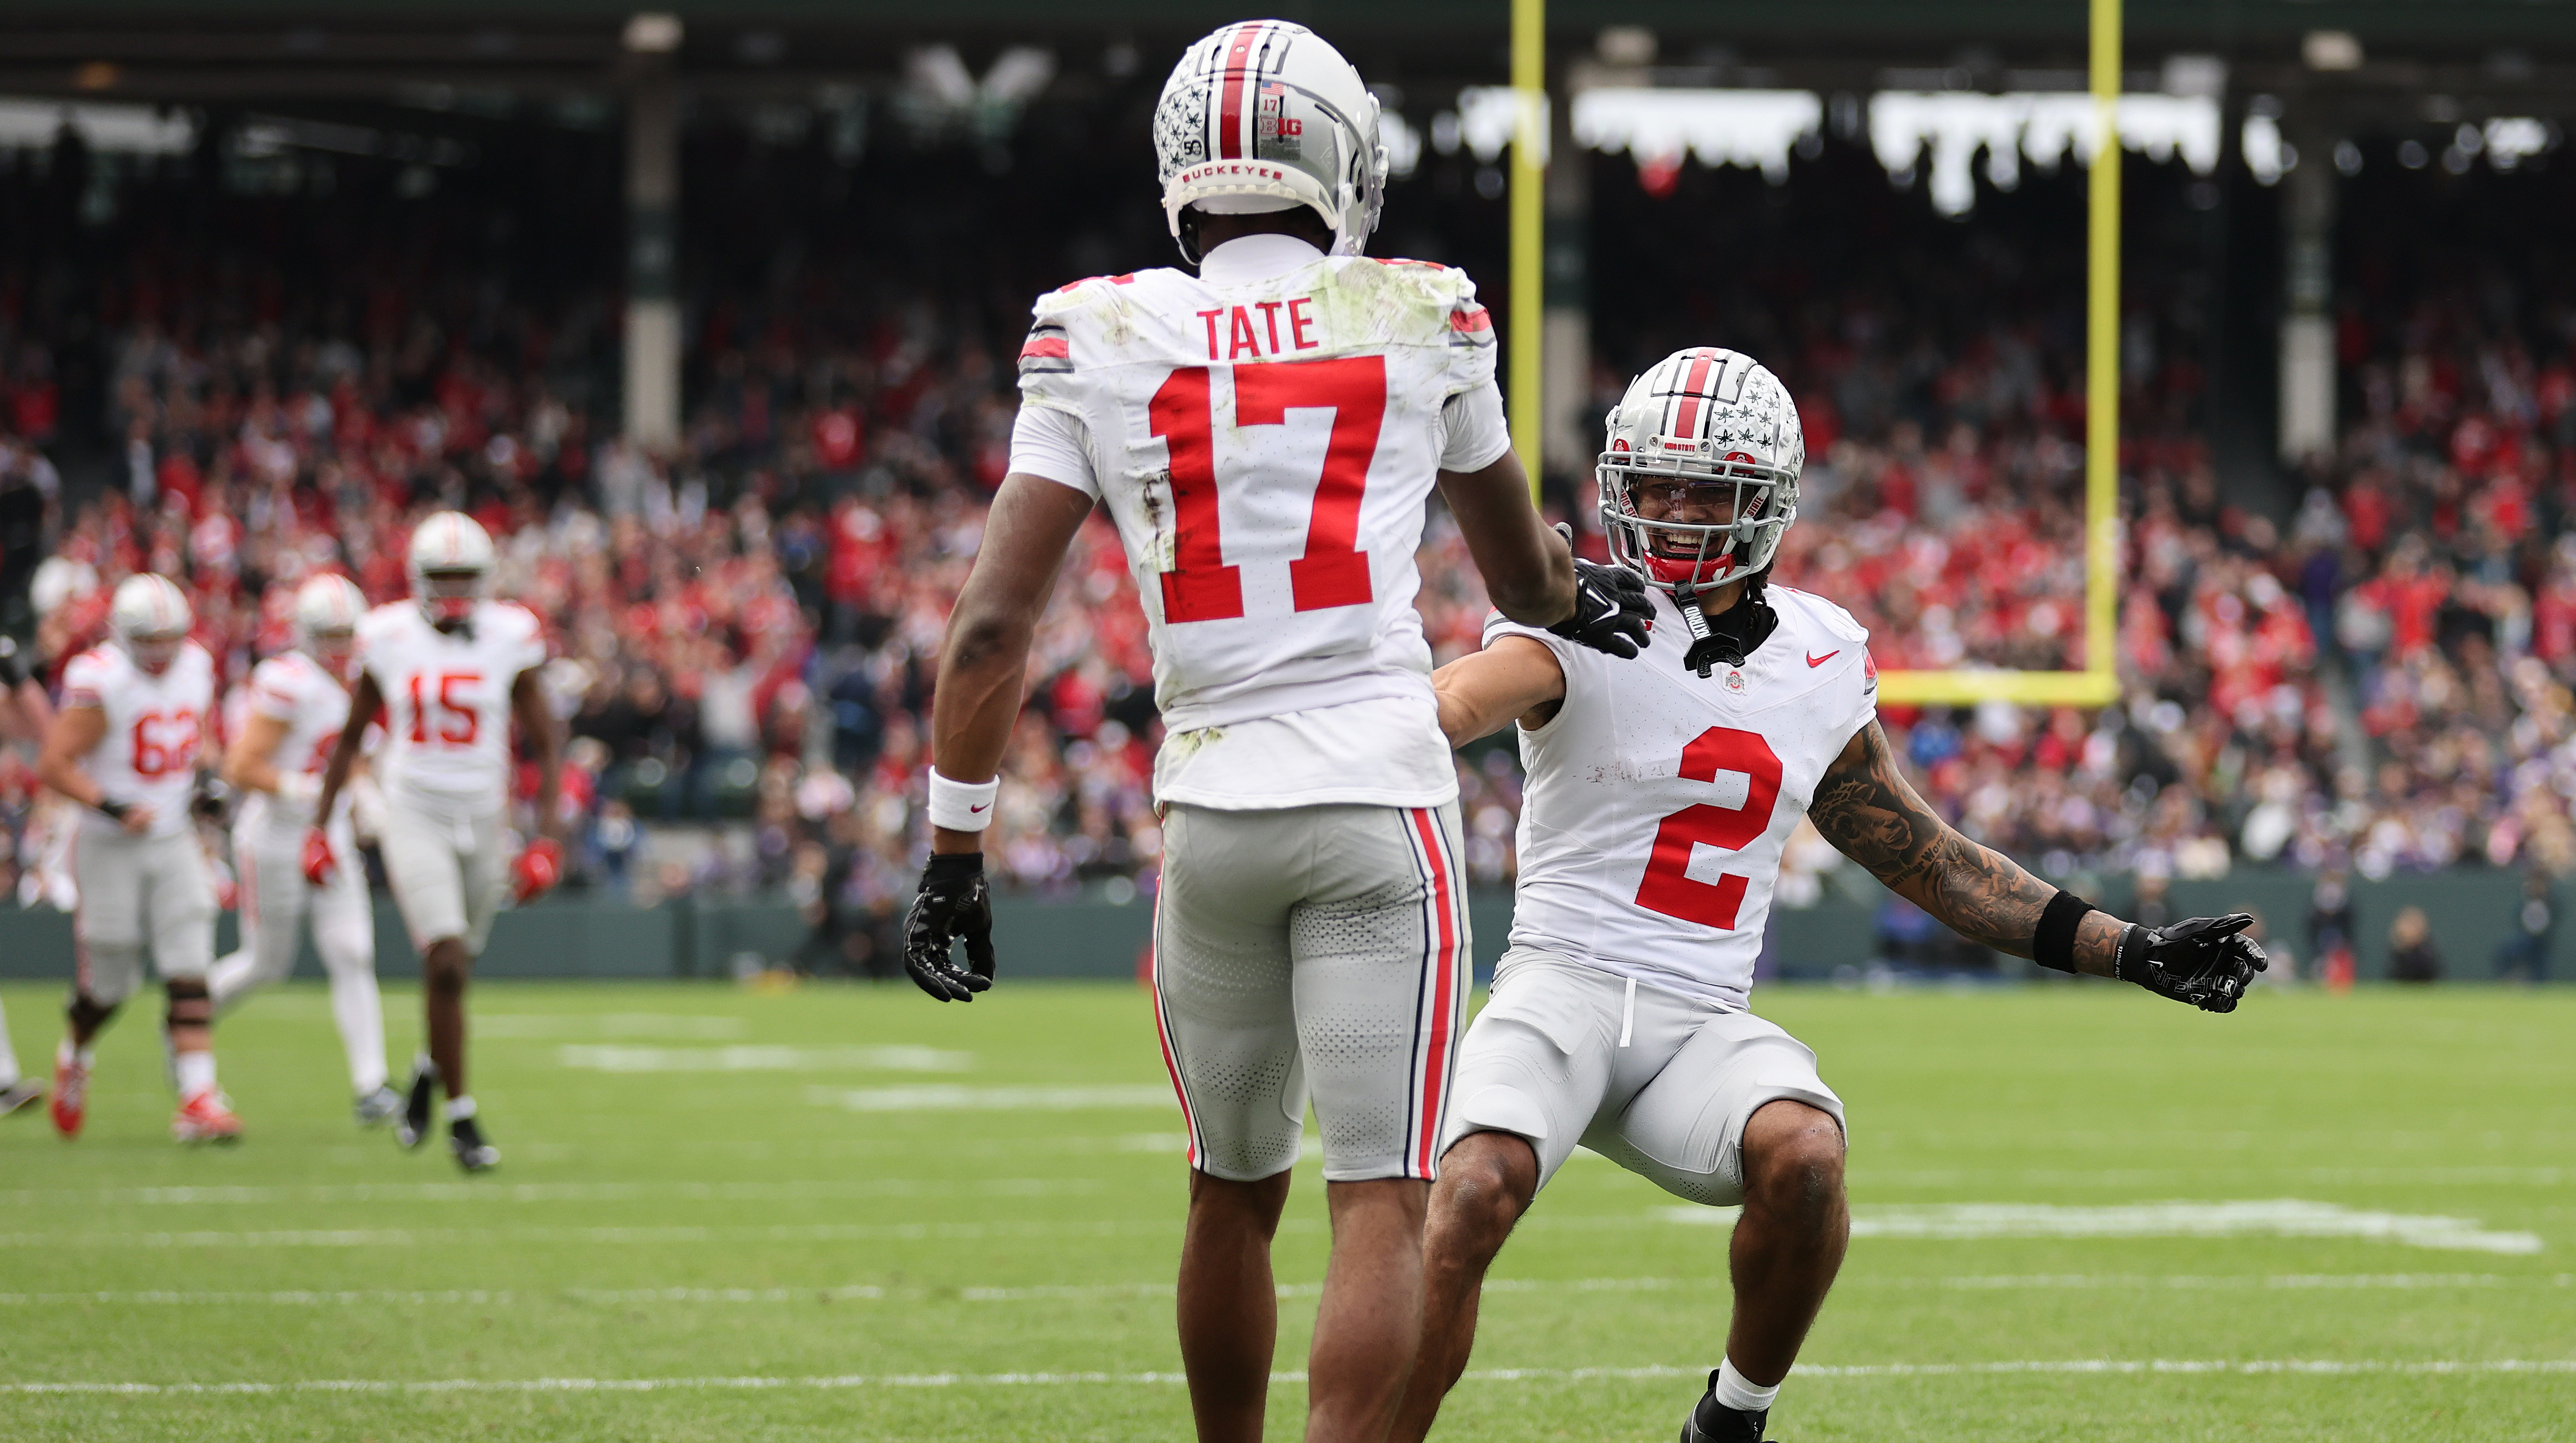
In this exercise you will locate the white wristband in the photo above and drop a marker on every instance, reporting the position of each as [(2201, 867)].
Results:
[(961, 806)]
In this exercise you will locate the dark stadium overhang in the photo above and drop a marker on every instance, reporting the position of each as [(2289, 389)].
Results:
[(208, 49)]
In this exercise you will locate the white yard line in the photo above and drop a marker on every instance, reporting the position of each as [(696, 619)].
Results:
[(2324, 1367), (596, 1057), (1714, 1288), (2276, 1217), (781, 1233), (554, 1192), (994, 1099)]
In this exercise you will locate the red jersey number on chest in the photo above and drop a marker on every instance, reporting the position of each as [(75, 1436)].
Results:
[(1668, 887)]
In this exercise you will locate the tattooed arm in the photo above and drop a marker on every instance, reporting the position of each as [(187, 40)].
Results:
[(1865, 807)]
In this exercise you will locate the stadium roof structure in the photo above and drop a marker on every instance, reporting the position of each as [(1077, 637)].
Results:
[(211, 49)]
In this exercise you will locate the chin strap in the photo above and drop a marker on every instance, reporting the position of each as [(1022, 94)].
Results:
[(1735, 634)]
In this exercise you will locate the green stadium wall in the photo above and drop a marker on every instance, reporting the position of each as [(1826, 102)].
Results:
[(2472, 914)]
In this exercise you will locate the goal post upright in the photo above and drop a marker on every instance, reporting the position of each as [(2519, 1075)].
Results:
[(2098, 684), (1528, 231)]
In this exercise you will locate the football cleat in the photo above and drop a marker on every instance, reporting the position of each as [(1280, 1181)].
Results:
[(20, 1095), (71, 1097), (1710, 1421), (205, 1118), (413, 1129), (377, 1108), (465, 1139)]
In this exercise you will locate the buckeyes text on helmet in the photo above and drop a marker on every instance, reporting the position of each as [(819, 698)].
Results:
[(450, 564), (150, 617), (1263, 115), (1699, 469)]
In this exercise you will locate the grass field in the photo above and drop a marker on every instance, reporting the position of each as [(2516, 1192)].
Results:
[(850, 1213)]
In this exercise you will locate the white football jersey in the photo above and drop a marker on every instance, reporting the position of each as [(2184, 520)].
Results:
[(1657, 802), (447, 697), (156, 728), (291, 687), (1265, 436)]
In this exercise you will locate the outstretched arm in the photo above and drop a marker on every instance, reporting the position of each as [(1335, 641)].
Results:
[(1528, 573), (1865, 807), (1482, 691)]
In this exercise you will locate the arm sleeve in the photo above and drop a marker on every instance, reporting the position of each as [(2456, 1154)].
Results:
[(81, 682), (1051, 442), (1473, 434), (1860, 696), (270, 694)]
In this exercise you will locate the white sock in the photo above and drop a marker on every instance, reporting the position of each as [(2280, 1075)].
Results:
[(66, 1055), (196, 1074), (1742, 1394), (8, 1054), (361, 1018), (460, 1108)]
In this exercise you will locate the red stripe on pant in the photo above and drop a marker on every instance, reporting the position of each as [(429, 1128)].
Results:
[(1435, 1060), (81, 979), (1163, 1036)]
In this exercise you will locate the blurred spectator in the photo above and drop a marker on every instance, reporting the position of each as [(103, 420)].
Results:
[(2524, 957), (2412, 953)]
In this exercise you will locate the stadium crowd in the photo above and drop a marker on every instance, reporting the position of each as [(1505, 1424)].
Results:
[(746, 624)]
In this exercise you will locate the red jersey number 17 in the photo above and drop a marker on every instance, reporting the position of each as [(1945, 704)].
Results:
[(1333, 571)]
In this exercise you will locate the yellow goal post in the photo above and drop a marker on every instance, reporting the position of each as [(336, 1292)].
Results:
[(2098, 684)]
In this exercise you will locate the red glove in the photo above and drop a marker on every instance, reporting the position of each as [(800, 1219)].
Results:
[(537, 870), (318, 860)]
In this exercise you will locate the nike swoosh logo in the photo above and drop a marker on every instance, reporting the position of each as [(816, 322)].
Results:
[(978, 809), (1814, 661)]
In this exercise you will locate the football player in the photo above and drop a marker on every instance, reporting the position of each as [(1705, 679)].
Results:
[(1265, 436), (1659, 794), (297, 706), (448, 671), (25, 712), (124, 746)]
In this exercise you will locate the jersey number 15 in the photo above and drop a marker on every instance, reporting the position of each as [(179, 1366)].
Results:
[(1333, 571), (461, 724)]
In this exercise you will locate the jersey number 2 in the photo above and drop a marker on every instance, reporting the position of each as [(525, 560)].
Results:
[(1668, 887), (1333, 571), (461, 725)]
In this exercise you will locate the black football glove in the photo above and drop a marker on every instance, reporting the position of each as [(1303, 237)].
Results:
[(1610, 606), (953, 906), (2205, 961)]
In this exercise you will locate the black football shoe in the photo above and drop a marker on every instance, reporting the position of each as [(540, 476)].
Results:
[(1711, 1421), (465, 1139), (413, 1129)]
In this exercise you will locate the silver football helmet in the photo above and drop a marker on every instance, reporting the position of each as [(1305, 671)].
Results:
[(1264, 116), (1713, 433)]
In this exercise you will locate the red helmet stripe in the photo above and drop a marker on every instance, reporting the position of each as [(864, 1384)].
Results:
[(1238, 66), (1686, 425)]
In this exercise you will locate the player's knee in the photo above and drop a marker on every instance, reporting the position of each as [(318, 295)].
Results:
[(88, 1014), (445, 970), (1794, 1161), (1482, 1193), (190, 1004)]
